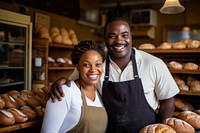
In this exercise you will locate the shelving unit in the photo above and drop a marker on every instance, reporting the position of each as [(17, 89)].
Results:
[(182, 56), (57, 50)]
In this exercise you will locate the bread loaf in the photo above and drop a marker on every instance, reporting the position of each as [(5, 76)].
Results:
[(19, 116), (15, 94), (157, 128), (30, 100), (190, 66), (179, 45), (2, 103), (147, 46), (6, 117), (182, 104), (190, 117), (165, 45), (30, 113), (175, 65), (179, 125), (40, 111), (9, 101)]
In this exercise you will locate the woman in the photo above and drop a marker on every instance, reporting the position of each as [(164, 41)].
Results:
[(81, 109)]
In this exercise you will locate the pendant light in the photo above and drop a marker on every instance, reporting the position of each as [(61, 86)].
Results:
[(172, 7)]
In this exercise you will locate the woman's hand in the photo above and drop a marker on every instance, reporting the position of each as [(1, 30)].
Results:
[(56, 88)]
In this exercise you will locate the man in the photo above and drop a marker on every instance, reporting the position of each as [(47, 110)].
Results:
[(134, 84)]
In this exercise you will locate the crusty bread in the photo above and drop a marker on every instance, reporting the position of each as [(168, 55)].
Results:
[(179, 45), (165, 45), (147, 46), (175, 65), (190, 117), (40, 111), (182, 104), (9, 101), (6, 117), (2, 103), (179, 125), (30, 113), (30, 100), (157, 128), (19, 116), (190, 66)]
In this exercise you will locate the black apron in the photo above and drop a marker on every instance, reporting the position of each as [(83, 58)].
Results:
[(127, 108)]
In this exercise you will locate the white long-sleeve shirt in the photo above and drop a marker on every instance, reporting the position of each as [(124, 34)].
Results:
[(62, 116)]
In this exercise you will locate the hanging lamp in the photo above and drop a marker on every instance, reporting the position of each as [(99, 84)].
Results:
[(172, 7)]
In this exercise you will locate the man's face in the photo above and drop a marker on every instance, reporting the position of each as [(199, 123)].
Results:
[(118, 39)]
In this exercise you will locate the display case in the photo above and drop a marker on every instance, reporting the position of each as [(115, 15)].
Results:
[(15, 51)]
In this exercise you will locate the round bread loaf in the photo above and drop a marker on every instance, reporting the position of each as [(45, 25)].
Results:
[(190, 66), (157, 128), (195, 85), (178, 45), (19, 116), (30, 113), (194, 44), (183, 87), (147, 46), (175, 65), (179, 125), (165, 45), (190, 117), (6, 117), (182, 104)]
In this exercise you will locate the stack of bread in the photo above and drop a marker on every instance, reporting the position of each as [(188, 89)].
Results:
[(188, 83), (186, 43), (57, 35), (21, 106), (185, 66), (186, 122), (59, 62), (63, 36)]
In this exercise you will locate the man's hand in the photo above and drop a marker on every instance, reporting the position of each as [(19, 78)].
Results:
[(56, 89)]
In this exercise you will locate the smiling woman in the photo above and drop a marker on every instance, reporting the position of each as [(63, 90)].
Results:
[(82, 98)]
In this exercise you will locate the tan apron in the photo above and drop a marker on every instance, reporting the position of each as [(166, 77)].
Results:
[(93, 119)]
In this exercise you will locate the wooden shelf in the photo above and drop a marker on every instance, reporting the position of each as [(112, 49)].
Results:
[(62, 68), (192, 93), (153, 51), (184, 71), (61, 45), (20, 126), (12, 84)]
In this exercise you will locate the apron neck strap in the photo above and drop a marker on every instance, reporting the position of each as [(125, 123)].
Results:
[(133, 62)]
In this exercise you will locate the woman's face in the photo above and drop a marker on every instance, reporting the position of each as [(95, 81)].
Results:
[(90, 67)]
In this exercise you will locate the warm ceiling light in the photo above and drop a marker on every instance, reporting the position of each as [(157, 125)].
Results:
[(172, 7)]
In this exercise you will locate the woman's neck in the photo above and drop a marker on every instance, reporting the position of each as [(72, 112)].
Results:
[(89, 90)]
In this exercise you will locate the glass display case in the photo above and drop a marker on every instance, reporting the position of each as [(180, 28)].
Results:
[(15, 51)]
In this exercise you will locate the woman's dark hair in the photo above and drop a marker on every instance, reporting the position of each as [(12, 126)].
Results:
[(84, 46), (113, 19)]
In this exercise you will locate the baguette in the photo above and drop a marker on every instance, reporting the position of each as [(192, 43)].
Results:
[(2, 103), (9, 101)]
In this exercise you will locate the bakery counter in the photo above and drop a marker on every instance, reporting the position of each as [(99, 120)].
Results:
[(19, 126)]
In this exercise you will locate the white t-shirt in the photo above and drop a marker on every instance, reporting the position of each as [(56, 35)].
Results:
[(62, 116), (157, 81)]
